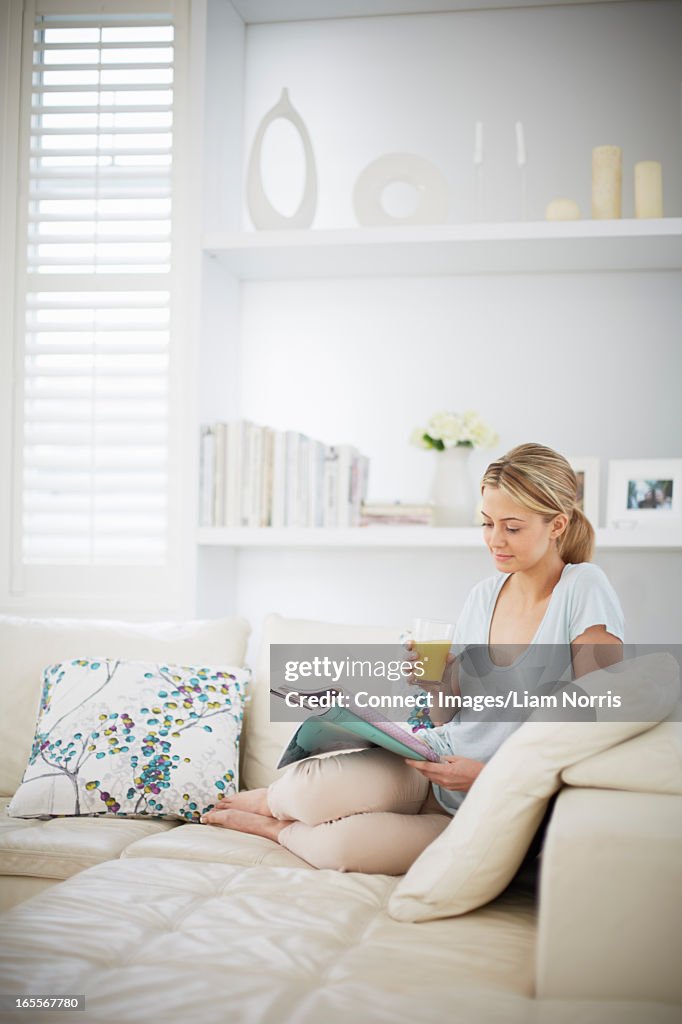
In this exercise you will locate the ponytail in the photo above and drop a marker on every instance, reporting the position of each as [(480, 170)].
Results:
[(576, 543)]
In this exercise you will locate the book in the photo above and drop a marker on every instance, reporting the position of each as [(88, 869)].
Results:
[(398, 509), (278, 479), (395, 514), (344, 496), (330, 486), (291, 478), (236, 442), (339, 728), (206, 476), (316, 484), (219, 475), (303, 481), (254, 497), (267, 471)]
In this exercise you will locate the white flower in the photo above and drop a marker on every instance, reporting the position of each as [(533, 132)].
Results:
[(445, 427), (448, 429)]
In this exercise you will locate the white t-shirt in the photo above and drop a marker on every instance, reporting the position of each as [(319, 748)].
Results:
[(582, 597)]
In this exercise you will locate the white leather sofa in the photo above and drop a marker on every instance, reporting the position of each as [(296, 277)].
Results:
[(158, 921)]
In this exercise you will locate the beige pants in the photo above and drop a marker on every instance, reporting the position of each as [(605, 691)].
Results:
[(362, 811)]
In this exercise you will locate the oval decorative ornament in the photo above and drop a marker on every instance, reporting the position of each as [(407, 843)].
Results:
[(263, 213)]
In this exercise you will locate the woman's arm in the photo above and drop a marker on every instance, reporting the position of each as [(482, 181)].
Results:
[(594, 649)]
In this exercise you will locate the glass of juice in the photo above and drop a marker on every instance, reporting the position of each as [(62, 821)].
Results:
[(432, 641)]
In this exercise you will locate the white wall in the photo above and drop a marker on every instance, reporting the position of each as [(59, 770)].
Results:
[(588, 363), (393, 587), (576, 76)]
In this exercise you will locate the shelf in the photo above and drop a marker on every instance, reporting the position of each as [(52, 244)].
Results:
[(350, 537), (513, 248), (413, 537), (254, 12)]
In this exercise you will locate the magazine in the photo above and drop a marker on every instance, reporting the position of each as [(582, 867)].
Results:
[(339, 728)]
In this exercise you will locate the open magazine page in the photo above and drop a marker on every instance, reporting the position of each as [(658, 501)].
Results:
[(338, 728)]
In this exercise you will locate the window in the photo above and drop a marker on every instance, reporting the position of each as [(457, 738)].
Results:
[(94, 408)]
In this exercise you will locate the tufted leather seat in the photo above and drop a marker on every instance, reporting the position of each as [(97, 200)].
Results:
[(178, 941), (46, 850), (188, 941), (201, 842)]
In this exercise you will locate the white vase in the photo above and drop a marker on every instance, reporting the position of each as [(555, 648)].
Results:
[(263, 213), (452, 489)]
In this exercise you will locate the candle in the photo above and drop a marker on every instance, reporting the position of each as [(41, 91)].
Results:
[(520, 145), (562, 209), (648, 189), (607, 176), (478, 143)]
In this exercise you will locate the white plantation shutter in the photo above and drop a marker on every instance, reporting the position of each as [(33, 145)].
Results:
[(95, 403)]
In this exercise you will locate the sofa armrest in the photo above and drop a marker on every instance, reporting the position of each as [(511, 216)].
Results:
[(609, 924)]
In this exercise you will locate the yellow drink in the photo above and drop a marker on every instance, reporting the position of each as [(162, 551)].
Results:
[(433, 654)]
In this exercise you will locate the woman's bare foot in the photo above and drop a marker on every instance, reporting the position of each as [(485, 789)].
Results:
[(253, 800), (245, 821)]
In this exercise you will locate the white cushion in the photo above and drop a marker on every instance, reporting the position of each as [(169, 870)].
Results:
[(649, 763), (28, 645), (264, 740), (277, 944), (610, 925), (61, 847), (131, 738), (15, 889), (212, 843), (265, 944), (479, 852)]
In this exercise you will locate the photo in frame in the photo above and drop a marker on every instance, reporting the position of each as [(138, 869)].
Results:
[(645, 491), (586, 468)]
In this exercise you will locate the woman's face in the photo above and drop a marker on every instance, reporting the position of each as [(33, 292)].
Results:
[(517, 539)]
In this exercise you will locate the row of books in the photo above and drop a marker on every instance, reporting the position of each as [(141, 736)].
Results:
[(253, 475)]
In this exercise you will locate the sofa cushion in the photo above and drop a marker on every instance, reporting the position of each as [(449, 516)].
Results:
[(187, 941), (130, 738), (221, 845), (649, 763), (61, 847), (28, 645), (264, 740), (17, 888), (611, 875), (481, 849)]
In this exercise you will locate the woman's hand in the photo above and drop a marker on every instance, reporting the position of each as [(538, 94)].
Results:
[(458, 773)]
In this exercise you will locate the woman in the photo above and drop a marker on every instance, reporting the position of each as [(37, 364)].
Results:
[(371, 811)]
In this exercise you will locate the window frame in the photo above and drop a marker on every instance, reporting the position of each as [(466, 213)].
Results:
[(93, 589)]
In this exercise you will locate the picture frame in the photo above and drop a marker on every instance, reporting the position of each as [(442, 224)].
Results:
[(646, 492), (586, 468)]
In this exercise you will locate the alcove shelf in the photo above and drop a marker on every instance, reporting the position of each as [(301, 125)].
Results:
[(632, 538), (505, 248), (255, 12)]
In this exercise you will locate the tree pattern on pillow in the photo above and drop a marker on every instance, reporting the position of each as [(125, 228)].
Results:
[(131, 736)]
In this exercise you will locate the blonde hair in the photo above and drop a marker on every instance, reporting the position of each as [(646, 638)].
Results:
[(542, 481)]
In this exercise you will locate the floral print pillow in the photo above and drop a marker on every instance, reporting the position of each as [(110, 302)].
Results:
[(131, 739)]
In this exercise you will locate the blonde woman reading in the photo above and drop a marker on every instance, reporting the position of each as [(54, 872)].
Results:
[(372, 811)]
